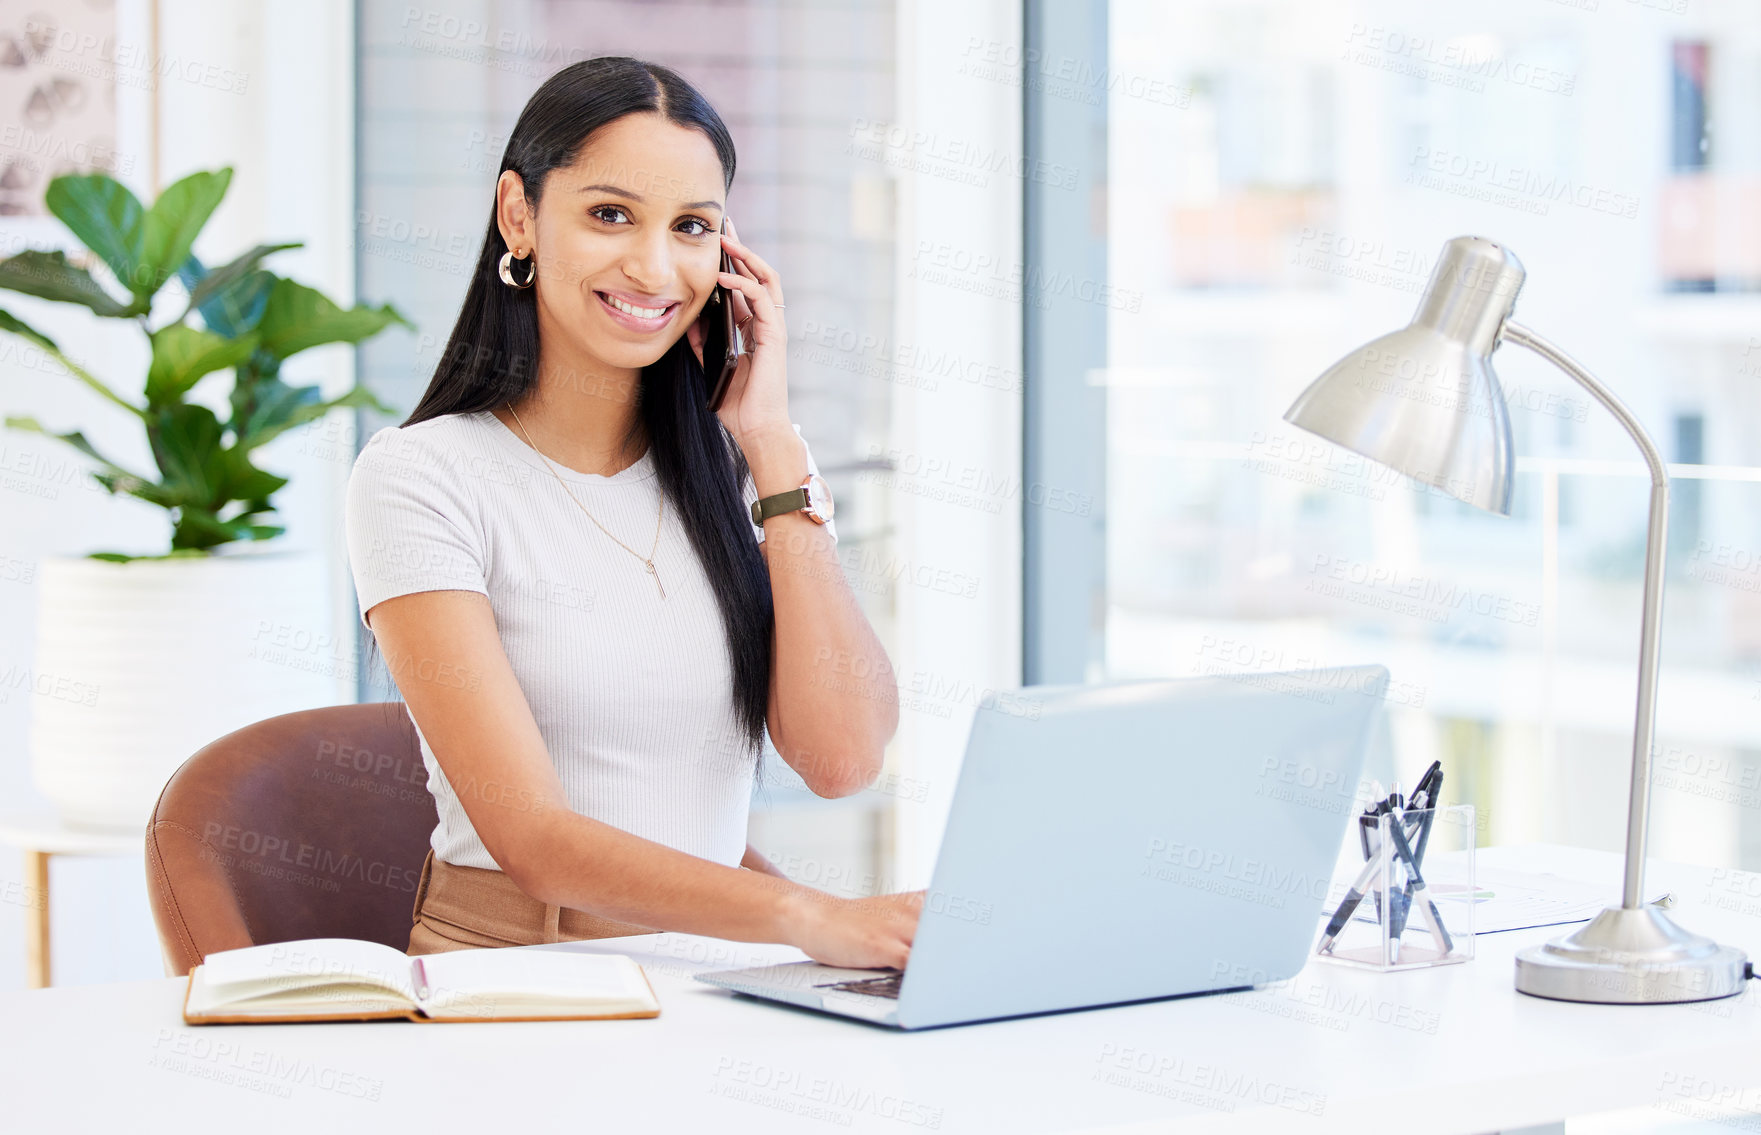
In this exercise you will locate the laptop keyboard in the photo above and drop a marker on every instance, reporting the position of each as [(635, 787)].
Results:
[(887, 985)]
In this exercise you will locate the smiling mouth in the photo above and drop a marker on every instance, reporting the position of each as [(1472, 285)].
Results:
[(633, 310)]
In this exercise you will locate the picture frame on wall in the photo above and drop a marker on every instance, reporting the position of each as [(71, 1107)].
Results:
[(59, 71)]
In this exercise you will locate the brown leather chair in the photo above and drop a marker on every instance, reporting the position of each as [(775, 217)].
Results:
[(308, 825)]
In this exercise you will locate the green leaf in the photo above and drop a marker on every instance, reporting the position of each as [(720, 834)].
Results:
[(298, 317), (204, 478), (49, 276), (199, 529), (134, 486), (191, 272), (10, 322), (171, 225), (182, 355), (228, 276), (283, 407), (258, 376), (113, 477), (186, 446), (240, 480), (106, 217), (269, 409), (128, 557), (360, 398), (237, 309)]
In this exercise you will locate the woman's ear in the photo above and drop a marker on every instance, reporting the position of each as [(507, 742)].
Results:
[(512, 216)]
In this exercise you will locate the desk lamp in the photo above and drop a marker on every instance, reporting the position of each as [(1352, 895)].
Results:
[(1425, 402)]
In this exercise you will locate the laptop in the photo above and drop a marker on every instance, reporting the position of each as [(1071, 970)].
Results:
[(1121, 842)]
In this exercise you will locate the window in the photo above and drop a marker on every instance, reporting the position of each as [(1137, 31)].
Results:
[(1286, 204)]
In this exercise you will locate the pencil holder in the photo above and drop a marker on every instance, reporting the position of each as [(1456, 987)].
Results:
[(1411, 902)]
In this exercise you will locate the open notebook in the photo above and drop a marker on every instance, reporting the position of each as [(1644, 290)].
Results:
[(344, 979)]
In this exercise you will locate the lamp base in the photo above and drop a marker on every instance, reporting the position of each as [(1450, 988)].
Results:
[(1631, 957)]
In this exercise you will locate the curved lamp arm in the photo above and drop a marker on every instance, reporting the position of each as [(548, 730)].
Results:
[(1645, 723)]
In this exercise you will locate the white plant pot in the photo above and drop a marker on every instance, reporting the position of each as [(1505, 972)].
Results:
[(140, 664)]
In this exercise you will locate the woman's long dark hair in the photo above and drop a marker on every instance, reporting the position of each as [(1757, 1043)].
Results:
[(492, 356)]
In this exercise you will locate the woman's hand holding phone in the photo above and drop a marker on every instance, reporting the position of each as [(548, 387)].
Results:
[(757, 398), (715, 337)]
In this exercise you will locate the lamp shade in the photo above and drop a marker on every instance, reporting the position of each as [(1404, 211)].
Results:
[(1424, 400)]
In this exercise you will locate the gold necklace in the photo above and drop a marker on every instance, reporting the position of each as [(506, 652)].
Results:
[(648, 560)]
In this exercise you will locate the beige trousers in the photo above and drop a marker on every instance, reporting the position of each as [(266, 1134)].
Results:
[(459, 908)]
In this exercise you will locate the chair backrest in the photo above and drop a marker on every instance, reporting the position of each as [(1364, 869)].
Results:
[(308, 825)]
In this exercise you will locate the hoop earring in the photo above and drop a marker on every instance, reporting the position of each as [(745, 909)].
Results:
[(507, 274)]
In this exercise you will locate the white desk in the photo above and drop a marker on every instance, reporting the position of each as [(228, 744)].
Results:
[(1453, 1049)]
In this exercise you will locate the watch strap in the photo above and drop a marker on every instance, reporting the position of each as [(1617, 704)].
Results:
[(775, 505)]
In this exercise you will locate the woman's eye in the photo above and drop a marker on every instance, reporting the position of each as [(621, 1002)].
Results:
[(601, 210), (701, 229)]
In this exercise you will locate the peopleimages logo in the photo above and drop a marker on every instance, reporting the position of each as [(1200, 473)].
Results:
[(1519, 187), (273, 849), (1453, 62), (1725, 564), (959, 159), (1220, 872), (1412, 593), (940, 478), (902, 362), (1174, 1076), (811, 1096)]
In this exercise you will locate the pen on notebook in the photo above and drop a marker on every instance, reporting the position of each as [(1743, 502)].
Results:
[(421, 973)]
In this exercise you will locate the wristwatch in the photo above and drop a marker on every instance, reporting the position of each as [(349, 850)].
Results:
[(813, 498)]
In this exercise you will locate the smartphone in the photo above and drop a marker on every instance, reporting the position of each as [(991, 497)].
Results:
[(721, 337)]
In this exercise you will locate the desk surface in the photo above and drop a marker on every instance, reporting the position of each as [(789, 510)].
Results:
[(1448, 1049)]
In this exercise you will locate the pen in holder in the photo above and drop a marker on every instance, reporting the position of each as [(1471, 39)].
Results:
[(1411, 903)]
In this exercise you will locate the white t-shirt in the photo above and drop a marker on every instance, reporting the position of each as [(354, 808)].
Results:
[(632, 693)]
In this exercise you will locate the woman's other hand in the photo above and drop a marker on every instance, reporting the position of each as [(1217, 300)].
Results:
[(868, 933)]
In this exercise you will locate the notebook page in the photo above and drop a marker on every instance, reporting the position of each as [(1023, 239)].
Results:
[(513, 977), (204, 1001), (311, 963)]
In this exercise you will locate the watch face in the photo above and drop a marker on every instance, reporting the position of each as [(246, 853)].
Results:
[(819, 499)]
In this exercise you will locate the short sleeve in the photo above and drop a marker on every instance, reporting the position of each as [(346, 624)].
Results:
[(409, 520), (749, 493)]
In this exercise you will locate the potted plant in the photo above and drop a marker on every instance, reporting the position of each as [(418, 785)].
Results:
[(149, 656)]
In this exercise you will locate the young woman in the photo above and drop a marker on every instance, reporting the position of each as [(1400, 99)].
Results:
[(557, 556)]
